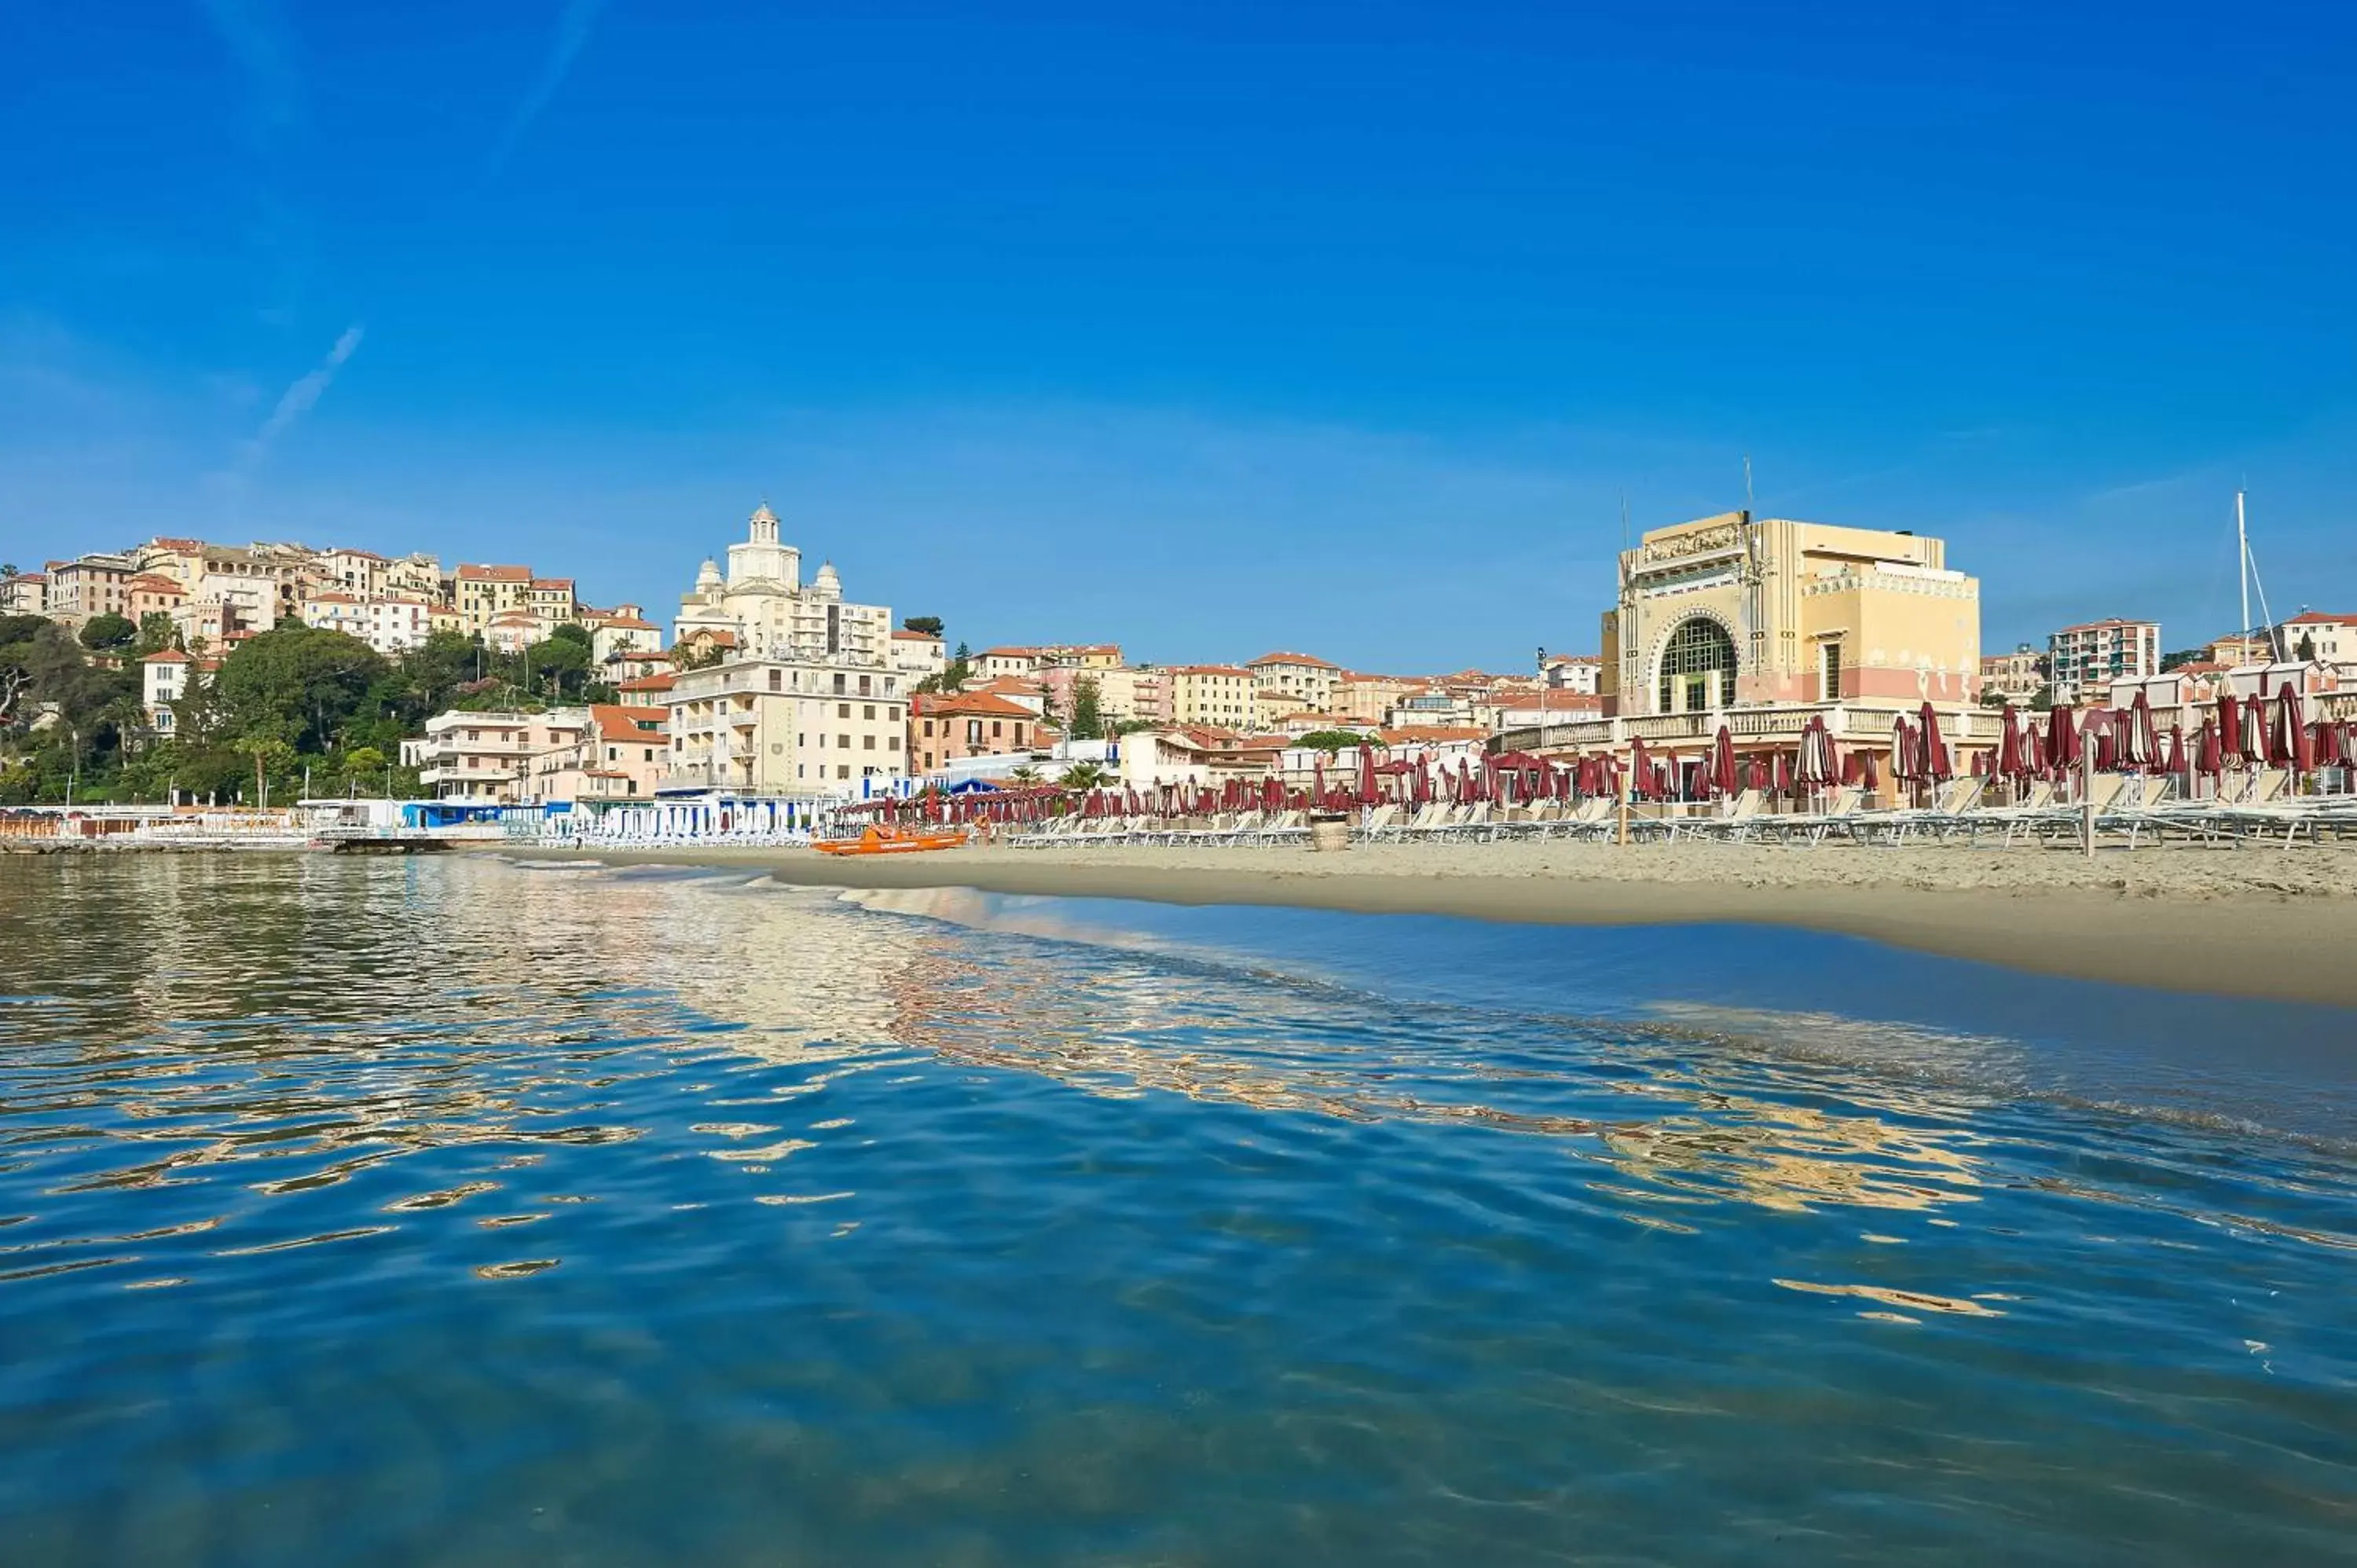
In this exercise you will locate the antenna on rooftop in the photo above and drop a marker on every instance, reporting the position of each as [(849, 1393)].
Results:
[(1747, 487)]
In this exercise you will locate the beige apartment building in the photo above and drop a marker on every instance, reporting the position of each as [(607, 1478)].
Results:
[(778, 726), (90, 586), (1731, 609), (482, 593), (489, 757), (1219, 694), (1365, 699), (2016, 676), (1290, 681)]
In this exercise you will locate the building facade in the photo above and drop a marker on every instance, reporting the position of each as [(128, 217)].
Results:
[(1287, 682), (1730, 610), (490, 757), (949, 728), (1221, 695), (763, 603), (2016, 676), (786, 727), (2089, 658)]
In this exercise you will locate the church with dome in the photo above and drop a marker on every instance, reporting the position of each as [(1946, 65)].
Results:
[(762, 609)]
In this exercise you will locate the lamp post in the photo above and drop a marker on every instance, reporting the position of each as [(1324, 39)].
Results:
[(1543, 708)]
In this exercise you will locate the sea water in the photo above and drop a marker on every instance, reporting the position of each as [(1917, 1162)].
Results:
[(359, 1212)]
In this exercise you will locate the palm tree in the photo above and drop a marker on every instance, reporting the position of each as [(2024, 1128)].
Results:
[(1084, 776), (1025, 775)]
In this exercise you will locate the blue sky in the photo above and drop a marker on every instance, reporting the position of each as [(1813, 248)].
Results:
[(1211, 328)]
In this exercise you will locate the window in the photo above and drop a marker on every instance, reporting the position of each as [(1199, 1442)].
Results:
[(1831, 688), (1019, 732), (838, 685), (891, 743), (843, 741), (1698, 667), (844, 772), (613, 753), (862, 685), (867, 710), (867, 743), (777, 679), (997, 730), (842, 710)]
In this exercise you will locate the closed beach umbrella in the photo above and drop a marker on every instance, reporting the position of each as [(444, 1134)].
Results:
[(2252, 742), (2139, 745), (1722, 763), (1641, 768), (2062, 740), (2230, 724), (2297, 753), (1937, 764), (2008, 747), (1906, 764), (1783, 779), (1866, 775)]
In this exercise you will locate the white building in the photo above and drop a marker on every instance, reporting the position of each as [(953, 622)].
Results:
[(1575, 673), (918, 655), (489, 757), (764, 604)]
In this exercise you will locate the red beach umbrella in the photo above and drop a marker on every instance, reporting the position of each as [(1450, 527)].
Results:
[(1866, 775), (1641, 768), (2294, 750), (1722, 763), (1906, 756), (1937, 764), (2062, 740), (1782, 781), (2009, 746)]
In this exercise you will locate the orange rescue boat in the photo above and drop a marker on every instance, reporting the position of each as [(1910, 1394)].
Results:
[(892, 841)]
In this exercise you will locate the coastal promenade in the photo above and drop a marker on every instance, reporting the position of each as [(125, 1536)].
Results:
[(2233, 921)]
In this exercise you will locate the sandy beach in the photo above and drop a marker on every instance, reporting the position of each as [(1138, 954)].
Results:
[(2256, 922)]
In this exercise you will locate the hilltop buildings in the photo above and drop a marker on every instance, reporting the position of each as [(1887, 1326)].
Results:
[(2088, 659)]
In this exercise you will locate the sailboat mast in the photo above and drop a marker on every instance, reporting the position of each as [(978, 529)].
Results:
[(2243, 565)]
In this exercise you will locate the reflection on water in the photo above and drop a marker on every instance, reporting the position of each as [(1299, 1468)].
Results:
[(367, 1211)]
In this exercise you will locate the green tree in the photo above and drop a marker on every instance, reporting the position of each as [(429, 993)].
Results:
[(1084, 776), (703, 656), (156, 633), (1025, 776), (557, 666), (2307, 647), (108, 631), (1331, 741), (931, 626), (299, 682), (271, 755), (1088, 710)]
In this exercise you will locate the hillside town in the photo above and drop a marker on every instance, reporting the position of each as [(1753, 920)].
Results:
[(769, 683)]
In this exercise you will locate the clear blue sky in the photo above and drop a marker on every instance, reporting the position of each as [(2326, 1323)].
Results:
[(1213, 329)]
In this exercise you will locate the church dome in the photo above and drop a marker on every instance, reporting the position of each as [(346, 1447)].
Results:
[(827, 581), (709, 578), (763, 514)]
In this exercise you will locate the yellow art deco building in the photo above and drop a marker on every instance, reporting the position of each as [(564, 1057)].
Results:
[(1734, 611)]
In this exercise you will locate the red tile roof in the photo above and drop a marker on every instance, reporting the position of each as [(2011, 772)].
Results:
[(970, 705), (1293, 659), (473, 573), (617, 721)]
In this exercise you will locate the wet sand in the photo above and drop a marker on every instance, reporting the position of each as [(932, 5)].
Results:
[(2254, 922)]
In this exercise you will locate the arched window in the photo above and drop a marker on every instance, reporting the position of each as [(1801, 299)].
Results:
[(1698, 667)]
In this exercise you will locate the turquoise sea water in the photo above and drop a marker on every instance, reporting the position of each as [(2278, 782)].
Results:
[(453, 1211)]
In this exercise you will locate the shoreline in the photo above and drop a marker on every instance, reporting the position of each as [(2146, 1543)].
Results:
[(2213, 921)]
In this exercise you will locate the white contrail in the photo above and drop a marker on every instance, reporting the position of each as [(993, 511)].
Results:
[(572, 33), (304, 395)]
